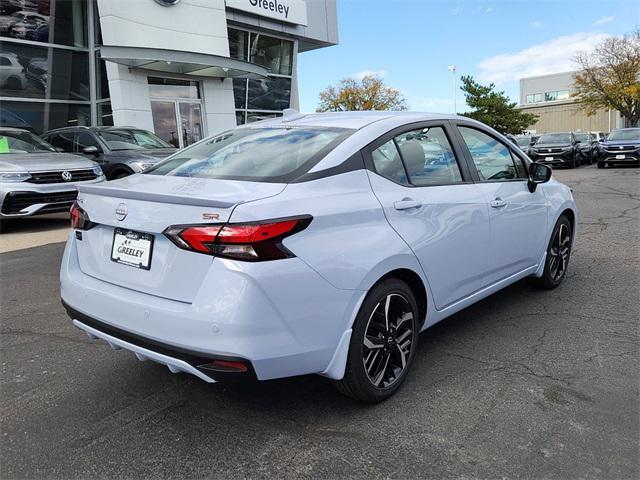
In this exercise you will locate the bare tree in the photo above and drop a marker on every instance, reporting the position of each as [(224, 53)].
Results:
[(370, 93), (610, 77)]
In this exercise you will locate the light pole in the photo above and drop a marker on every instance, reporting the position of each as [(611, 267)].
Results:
[(452, 69)]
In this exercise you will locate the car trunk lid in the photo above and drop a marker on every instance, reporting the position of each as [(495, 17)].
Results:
[(149, 204)]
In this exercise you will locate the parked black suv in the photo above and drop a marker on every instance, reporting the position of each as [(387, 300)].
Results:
[(120, 151), (620, 146), (587, 148), (556, 149)]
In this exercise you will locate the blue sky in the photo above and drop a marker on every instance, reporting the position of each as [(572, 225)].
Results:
[(411, 43)]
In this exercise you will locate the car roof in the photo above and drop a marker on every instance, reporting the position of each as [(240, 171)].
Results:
[(352, 120)]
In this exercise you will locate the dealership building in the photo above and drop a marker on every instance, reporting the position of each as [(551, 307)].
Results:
[(182, 68), (549, 97)]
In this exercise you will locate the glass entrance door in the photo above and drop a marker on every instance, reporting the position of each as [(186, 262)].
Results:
[(177, 110)]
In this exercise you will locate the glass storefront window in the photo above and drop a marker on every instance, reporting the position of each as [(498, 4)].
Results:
[(272, 53), (40, 117), (44, 72), (105, 114), (240, 92), (102, 82), (257, 116), (269, 94), (238, 44), (171, 88), (51, 21)]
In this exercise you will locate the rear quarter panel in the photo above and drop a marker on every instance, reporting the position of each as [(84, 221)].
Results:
[(349, 242)]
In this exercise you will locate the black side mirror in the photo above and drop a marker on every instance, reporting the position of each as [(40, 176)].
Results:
[(538, 173), (92, 150)]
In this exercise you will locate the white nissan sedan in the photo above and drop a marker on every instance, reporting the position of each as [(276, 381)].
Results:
[(312, 244)]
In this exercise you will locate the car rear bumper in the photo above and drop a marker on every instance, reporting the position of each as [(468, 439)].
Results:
[(282, 322)]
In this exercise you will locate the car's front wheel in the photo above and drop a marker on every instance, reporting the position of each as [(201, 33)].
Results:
[(383, 343), (558, 254)]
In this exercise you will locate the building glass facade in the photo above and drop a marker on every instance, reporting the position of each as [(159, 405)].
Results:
[(52, 76), (265, 98), (47, 52)]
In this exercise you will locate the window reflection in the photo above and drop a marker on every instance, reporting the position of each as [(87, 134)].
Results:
[(40, 117), (269, 94), (50, 21), (43, 72)]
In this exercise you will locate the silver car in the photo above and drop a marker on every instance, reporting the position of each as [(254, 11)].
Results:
[(36, 179)]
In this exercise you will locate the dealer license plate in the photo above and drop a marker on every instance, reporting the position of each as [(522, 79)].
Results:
[(132, 248), (619, 157)]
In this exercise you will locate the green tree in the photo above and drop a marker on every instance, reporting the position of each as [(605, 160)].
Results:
[(609, 77), (494, 108), (352, 94)]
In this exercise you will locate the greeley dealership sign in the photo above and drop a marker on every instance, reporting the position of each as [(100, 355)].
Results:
[(292, 11)]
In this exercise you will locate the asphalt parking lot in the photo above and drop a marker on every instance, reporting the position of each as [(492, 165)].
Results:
[(525, 384)]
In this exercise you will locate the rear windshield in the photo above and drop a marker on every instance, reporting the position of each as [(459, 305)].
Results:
[(132, 139), (633, 134), (254, 154), (555, 138), (17, 141)]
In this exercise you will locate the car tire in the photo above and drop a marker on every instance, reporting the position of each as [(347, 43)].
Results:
[(3, 226), (383, 343), (558, 255), (601, 165)]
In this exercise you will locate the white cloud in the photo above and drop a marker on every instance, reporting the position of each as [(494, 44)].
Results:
[(553, 56), (535, 24), (364, 73), (488, 10), (456, 10), (603, 20), (432, 103)]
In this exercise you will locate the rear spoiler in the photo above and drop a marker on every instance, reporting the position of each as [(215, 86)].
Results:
[(124, 193)]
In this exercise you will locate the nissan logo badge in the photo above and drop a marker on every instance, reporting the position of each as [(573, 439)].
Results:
[(66, 176), (168, 3), (121, 212)]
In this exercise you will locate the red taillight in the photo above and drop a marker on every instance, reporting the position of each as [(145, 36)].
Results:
[(80, 218), (229, 366), (254, 242)]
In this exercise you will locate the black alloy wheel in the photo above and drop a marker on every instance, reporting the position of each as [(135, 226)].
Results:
[(558, 255), (383, 343)]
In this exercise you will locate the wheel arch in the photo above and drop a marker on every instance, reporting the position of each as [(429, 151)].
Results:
[(118, 169), (417, 286)]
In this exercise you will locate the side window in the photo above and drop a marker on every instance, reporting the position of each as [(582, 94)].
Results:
[(492, 158), (387, 162), (63, 141), (84, 140), (521, 168), (428, 157)]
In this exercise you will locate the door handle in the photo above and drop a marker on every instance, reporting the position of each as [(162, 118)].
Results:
[(497, 203), (407, 204)]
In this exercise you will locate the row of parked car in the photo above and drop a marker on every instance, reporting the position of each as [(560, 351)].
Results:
[(39, 175), (573, 149)]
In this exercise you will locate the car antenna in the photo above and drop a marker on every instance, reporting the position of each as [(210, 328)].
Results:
[(290, 114)]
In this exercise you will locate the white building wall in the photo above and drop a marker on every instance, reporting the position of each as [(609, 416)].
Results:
[(191, 26)]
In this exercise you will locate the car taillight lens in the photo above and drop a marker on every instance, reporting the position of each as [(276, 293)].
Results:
[(252, 242), (80, 218)]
